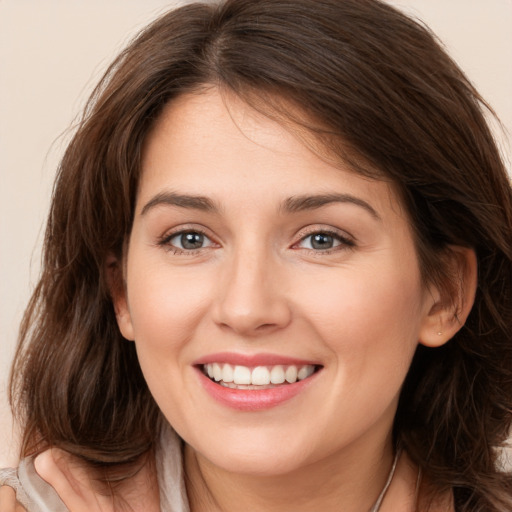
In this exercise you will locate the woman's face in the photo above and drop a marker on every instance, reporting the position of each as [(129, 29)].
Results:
[(293, 282)]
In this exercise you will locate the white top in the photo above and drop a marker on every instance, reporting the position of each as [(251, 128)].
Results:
[(38, 496)]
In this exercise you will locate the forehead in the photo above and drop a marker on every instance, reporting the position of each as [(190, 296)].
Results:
[(212, 143)]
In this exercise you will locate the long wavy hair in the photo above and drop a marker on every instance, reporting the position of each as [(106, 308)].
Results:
[(378, 91)]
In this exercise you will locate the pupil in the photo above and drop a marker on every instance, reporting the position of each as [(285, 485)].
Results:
[(322, 241), (192, 240)]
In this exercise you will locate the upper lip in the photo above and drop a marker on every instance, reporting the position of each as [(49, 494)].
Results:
[(253, 360)]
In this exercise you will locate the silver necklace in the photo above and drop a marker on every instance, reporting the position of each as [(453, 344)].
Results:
[(380, 499)]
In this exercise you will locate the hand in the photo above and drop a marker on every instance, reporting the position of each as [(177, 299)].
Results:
[(8, 501), (72, 480)]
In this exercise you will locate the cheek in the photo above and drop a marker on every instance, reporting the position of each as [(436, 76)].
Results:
[(369, 319), (165, 306), (369, 323)]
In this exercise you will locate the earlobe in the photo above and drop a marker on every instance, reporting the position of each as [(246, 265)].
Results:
[(452, 304), (117, 289)]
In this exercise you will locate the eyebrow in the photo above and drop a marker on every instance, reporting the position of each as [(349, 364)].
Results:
[(201, 203), (308, 202), (290, 205)]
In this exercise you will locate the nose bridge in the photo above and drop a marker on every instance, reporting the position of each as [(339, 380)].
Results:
[(251, 298)]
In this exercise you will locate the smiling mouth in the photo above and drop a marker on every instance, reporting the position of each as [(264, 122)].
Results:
[(259, 377)]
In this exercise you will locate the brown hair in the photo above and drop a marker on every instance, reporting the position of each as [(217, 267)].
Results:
[(372, 83)]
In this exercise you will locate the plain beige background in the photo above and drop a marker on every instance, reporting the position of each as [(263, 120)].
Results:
[(52, 52)]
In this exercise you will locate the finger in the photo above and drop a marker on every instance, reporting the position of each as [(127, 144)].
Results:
[(71, 479), (8, 501)]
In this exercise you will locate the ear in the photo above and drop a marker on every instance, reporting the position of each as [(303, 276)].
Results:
[(117, 288), (450, 305)]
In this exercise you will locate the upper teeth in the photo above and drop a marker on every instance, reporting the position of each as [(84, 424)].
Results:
[(258, 376)]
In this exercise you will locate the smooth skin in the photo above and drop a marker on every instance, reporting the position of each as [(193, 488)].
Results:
[(295, 256), (256, 284)]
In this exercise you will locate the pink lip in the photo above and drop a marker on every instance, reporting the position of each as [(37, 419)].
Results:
[(252, 360), (252, 399)]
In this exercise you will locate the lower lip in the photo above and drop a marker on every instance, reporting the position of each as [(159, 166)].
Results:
[(253, 399)]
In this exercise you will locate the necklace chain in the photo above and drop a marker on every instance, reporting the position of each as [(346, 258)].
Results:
[(380, 499)]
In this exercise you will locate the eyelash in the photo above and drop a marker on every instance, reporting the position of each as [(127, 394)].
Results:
[(345, 242), (165, 241)]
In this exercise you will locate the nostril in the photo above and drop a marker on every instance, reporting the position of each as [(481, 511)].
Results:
[(265, 327)]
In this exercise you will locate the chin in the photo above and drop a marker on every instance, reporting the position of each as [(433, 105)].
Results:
[(262, 464), (257, 457)]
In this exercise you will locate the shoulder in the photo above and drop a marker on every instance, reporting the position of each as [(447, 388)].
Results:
[(31, 490), (56, 478)]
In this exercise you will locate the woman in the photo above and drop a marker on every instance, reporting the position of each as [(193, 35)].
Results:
[(284, 229)]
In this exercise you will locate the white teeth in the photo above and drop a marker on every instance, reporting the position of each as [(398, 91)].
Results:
[(305, 372), (217, 372), (277, 375), (242, 375), (258, 376), (227, 373), (291, 374)]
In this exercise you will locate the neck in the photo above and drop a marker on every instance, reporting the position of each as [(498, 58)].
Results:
[(350, 480)]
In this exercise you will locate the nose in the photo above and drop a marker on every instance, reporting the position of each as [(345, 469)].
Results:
[(251, 299)]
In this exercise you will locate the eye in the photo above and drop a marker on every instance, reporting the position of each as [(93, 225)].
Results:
[(188, 241), (324, 241)]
